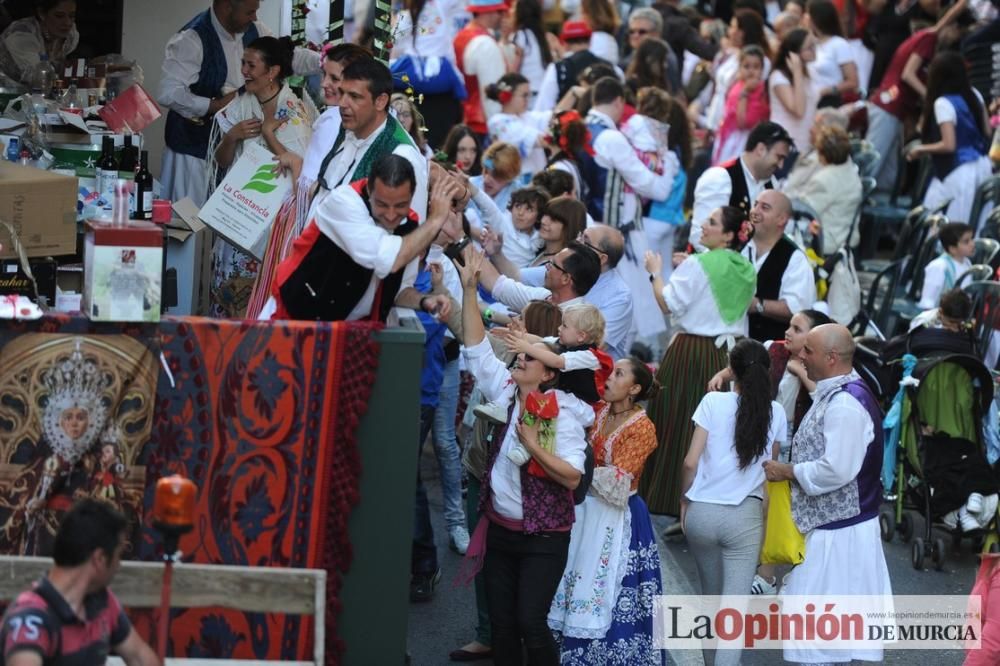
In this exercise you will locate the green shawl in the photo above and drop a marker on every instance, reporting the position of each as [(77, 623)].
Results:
[(392, 135), (732, 281)]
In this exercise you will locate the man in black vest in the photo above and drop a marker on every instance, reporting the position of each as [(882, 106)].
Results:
[(785, 282), (359, 255), (562, 76), (739, 182)]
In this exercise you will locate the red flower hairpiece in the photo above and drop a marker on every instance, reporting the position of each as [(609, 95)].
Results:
[(745, 232), (505, 96)]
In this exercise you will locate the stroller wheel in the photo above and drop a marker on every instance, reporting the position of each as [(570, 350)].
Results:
[(906, 524), (917, 554), (937, 554), (887, 525)]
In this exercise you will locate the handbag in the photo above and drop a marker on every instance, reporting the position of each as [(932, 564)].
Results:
[(430, 75), (612, 485), (844, 295), (783, 543)]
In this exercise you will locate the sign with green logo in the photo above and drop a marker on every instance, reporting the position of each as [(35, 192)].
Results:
[(244, 205)]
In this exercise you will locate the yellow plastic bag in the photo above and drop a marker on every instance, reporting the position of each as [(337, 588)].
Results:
[(783, 543)]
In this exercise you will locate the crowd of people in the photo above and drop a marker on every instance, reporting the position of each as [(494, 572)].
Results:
[(592, 216)]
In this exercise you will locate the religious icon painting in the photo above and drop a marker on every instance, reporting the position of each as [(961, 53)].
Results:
[(75, 415)]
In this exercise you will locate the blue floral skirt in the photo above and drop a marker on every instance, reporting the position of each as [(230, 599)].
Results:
[(629, 641)]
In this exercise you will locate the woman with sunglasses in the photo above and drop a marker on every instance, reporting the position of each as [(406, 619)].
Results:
[(523, 537)]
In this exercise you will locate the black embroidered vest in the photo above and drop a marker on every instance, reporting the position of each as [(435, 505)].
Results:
[(769, 287)]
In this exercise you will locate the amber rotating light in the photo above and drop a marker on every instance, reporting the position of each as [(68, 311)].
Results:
[(173, 515)]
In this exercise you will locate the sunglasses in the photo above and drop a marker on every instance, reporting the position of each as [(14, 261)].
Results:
[(557, 266), (639, 31), (583, 240)]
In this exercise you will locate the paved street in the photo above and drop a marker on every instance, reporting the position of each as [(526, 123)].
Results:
[(448, 621)]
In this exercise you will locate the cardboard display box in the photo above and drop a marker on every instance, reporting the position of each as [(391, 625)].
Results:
[(41, 206), (122, 271)]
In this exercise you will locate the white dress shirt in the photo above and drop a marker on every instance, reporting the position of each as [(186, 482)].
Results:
[(713, 190), (847, 429), (575, 416), (692, 307), (341, 169), (182, 64), (798, 284), (934, 278), (613, 151)]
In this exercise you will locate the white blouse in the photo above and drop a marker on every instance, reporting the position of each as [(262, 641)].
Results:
[(692, 308), (532, 66), (604, 46), (523, 132), (575, 416), (436, 28), (830, 55)]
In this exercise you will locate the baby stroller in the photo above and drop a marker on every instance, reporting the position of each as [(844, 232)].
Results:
[(941, 453)]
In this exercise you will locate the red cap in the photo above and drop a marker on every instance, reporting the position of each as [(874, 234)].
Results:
[(575, 30)]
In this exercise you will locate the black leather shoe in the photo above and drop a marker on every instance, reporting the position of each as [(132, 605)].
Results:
[(422, 586), (464, 655)]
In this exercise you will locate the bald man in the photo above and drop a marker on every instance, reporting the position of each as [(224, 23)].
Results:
[(785, 282), (836, 487)]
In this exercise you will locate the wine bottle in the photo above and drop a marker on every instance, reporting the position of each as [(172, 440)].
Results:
[(143, 189), (107, 176)]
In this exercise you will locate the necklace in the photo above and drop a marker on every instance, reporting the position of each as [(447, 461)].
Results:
[(614, 414), (270, 98)]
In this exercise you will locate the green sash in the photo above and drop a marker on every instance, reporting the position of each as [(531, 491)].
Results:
[(732, 281)]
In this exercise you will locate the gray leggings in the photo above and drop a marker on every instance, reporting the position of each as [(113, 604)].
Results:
[(725, 541)]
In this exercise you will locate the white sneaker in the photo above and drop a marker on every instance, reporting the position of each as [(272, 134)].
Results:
[(763, 586), (989, 511), (974, 503), (518, 455), (950, 519), (967, 520), (458, 539), (491, 412)]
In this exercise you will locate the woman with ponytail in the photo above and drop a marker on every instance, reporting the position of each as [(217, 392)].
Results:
[(595, 618), (723, 484), (515, 124)]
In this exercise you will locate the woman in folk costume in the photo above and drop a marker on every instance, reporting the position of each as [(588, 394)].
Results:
[(270, 115), (523, 535), (707, 298), (604, 604)]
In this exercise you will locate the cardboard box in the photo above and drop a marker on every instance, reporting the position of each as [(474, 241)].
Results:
[(189, 253), (122, 271), (41, 206)]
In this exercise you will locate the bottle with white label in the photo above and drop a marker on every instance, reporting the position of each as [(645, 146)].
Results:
[(107, 177)]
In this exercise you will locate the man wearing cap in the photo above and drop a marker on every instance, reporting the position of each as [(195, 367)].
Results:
[(560, 77), (739, 182), (480, 59)]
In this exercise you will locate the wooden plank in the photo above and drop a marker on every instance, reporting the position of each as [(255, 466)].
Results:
[(137, 585)]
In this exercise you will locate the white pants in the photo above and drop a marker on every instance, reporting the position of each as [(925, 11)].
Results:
[(183, 176)]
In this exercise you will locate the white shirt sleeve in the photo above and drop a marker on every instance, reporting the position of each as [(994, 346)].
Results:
[(492, 376), (490, 212), (779, 424), (419, 162), (515, 295), (703, 413), (409, 274), (933, 284), (615, 152), (842, 53), (181, 66), (848, 429), (685, 285), (944, 111), (580, 360), (515, 131), (548, 91), (534, 276), (570, 440), (352, 230), (712, 191), (798, 284)]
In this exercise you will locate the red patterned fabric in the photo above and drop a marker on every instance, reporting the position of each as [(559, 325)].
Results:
[(263, 417)]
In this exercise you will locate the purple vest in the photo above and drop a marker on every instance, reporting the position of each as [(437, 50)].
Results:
[(546, 505), (869, 478)]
